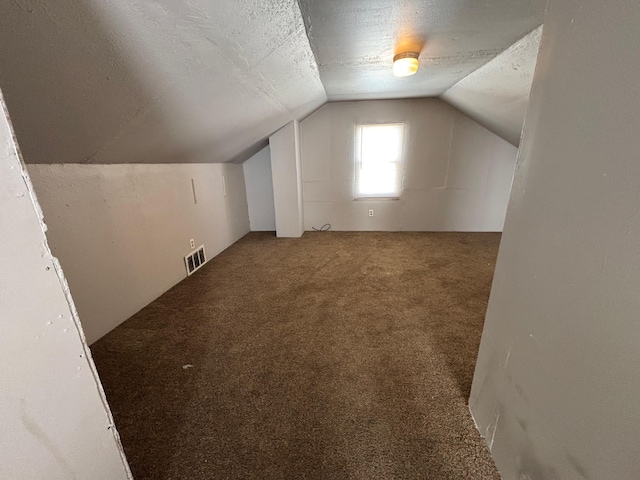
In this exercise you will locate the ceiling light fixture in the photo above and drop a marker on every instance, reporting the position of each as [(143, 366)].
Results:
[(405, 64)]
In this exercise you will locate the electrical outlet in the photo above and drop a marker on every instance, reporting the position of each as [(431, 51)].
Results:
[(192, 243), (371, 212)]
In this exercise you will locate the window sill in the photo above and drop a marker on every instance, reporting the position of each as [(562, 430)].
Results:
[(369, 199)]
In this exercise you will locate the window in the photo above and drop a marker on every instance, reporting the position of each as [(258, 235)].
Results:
[(379, 158)]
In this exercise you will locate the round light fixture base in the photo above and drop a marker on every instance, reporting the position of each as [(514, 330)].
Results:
[(405, 64)]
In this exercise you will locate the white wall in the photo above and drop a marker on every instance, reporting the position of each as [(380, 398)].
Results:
[(56, 424), (287, 180), (457, 173), (557, 381), (121, 231), (259, 186)]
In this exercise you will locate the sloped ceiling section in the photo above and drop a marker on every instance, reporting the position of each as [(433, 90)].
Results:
[(497, 94), (354, 41), (153, 81)]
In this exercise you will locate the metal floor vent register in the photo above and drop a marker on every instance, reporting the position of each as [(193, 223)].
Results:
[(195, 260)]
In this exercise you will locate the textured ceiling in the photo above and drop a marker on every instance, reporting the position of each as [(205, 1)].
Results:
[(354, 41), (497, 94), (158, 81), (144, 81)]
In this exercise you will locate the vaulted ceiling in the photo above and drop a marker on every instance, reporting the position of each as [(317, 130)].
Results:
[(354, 41), (157, 81)]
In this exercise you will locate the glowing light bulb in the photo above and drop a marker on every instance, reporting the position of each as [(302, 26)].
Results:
[(405, 64)]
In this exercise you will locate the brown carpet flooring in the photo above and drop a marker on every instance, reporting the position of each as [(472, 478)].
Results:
[(334, 356)]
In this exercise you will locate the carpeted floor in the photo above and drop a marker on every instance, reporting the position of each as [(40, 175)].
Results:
[(334, 356)]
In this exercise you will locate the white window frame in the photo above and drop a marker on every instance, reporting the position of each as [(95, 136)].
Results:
[(358, 163)]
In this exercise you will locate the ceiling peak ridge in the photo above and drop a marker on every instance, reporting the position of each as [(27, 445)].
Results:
[(306, 21)]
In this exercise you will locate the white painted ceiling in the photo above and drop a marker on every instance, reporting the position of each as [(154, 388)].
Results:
[(153, 81), (354, 41), (158, 81)]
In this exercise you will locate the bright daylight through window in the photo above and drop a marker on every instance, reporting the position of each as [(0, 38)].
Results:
[(379, 159)]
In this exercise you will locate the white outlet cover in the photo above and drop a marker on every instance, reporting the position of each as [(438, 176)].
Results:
[(192, 244)]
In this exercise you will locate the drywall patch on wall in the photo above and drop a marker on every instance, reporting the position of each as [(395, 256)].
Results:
[(52, 405), (121, 231), (497, 94), (259, 185), (564, 300), (457, 174)]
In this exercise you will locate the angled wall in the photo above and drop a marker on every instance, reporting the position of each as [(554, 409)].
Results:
[(134, 81), (121, 231), (457, 174), (556, 386), (497, 94), (287, 180), (259, 186), (56, 424)]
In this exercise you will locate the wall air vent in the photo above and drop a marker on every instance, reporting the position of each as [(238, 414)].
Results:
[(195, 260)]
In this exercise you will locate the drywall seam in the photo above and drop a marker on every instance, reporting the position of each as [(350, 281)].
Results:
[(312, 112), (307, 31), (298, 151), (451, 133), (122, 131), (65, 289)]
